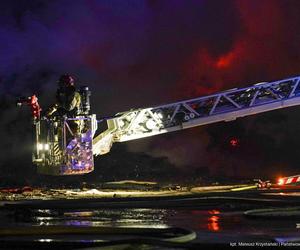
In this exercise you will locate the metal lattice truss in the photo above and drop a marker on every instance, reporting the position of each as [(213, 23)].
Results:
[(223, 106)]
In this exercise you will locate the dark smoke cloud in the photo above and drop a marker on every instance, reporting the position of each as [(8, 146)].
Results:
[(261, 48), (140, 53)]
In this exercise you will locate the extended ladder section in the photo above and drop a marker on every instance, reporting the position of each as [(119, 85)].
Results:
[(223, 106)]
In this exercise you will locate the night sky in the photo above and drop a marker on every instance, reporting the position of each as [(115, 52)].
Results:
[(141, 53)]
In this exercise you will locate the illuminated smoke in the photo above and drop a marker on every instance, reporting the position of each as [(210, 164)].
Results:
[(140, 53), (263, 49)]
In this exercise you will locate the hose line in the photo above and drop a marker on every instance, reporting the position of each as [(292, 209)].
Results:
[(169, 237)]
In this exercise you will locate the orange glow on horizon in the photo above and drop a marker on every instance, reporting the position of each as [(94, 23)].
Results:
[(280, 181)]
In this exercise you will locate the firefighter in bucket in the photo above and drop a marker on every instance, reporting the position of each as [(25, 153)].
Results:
[(68, 103), (64, 133), (68, 119)]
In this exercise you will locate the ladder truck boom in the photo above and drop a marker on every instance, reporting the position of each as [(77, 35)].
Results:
[(222, 106), (58, 150)]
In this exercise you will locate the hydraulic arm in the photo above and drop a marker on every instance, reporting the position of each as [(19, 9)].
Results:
[(222, 106)]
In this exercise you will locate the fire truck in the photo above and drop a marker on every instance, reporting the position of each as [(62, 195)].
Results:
[(58, 151)]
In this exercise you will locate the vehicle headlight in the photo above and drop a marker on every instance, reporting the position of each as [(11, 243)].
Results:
[(40, 146), (43, 146)]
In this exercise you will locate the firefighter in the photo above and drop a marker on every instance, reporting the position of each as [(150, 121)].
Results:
[(68, 98), (68, 101)]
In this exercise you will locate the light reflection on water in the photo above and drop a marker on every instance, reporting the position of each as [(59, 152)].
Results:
[(213, 224), (213, 221), (152, 218), (207, 220)]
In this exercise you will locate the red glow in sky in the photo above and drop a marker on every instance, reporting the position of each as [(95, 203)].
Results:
[(225, 61), (257, 53)]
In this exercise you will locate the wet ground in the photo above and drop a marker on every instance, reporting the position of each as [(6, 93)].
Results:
[(225, 216)]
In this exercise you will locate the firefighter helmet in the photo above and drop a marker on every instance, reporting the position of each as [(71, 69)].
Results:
[(66, 80)]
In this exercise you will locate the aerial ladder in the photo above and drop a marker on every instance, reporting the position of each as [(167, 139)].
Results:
[(55, 153)]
